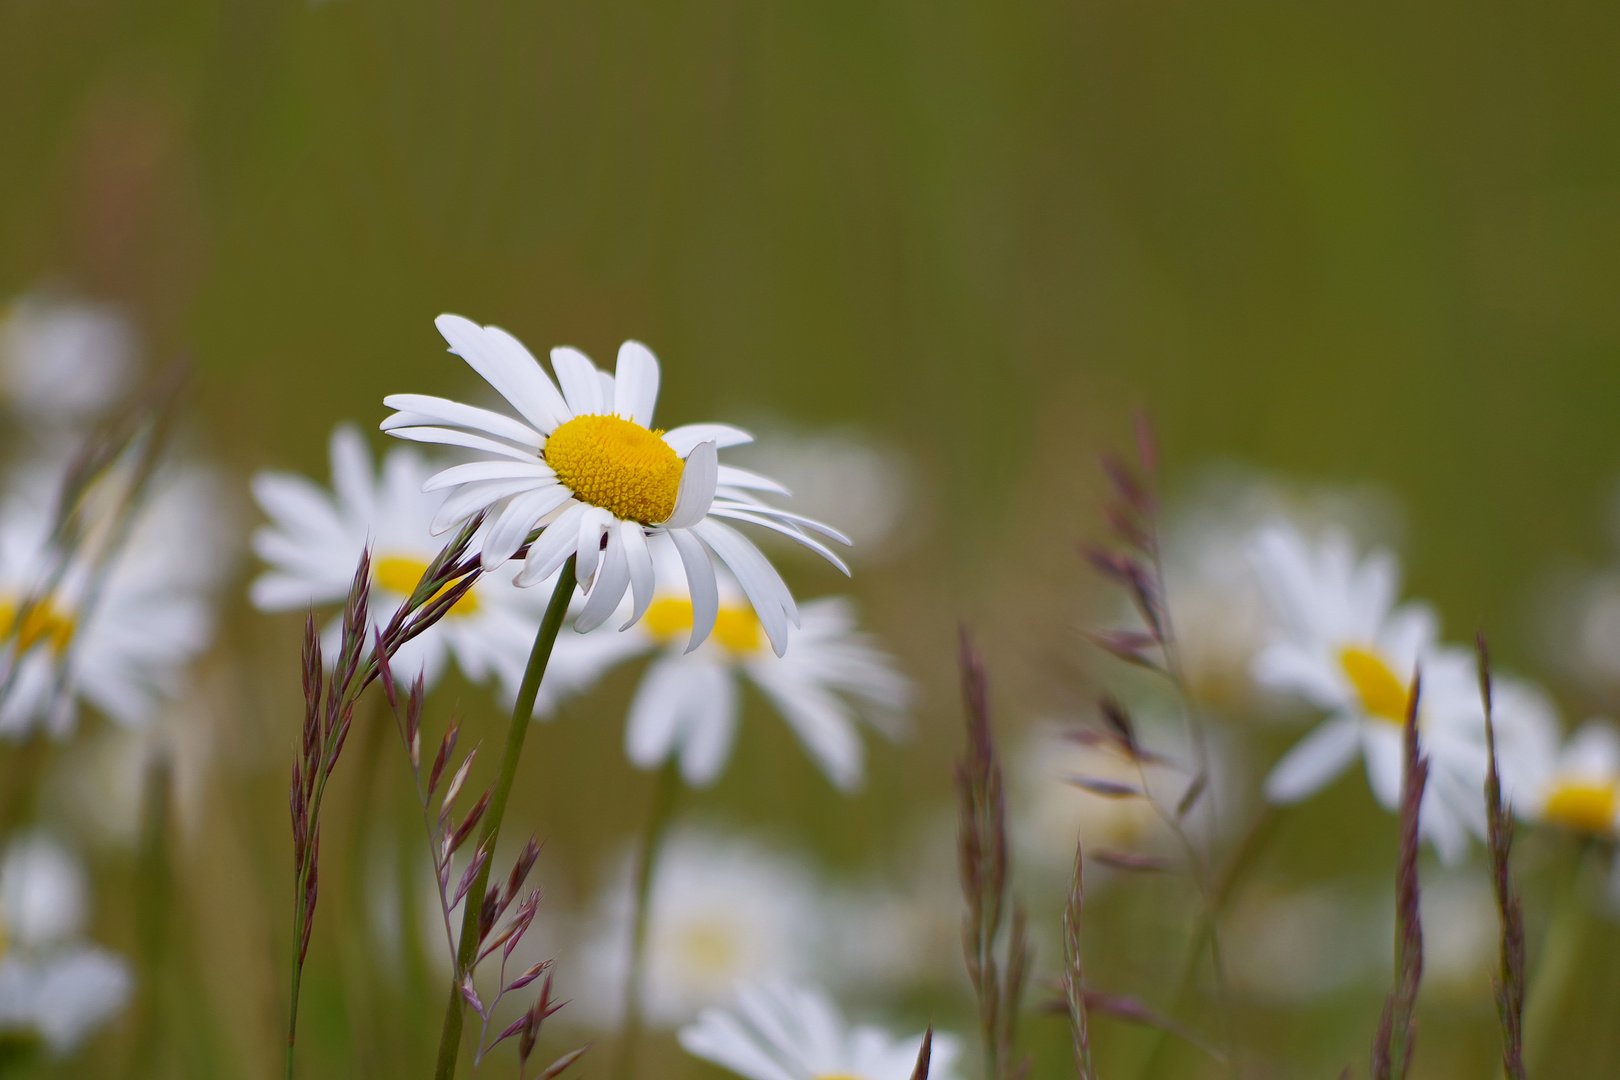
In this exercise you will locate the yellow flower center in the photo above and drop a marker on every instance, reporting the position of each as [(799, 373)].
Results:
[(44, 622), (617, 465), (736, 628), (400, 573), (708, 947), (1587, 805), (1382, 694)]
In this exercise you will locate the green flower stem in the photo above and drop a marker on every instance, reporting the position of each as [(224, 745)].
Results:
[(652, 841), (1561, 955), (522, 717)]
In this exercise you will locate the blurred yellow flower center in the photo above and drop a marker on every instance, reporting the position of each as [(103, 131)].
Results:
[(737, 628), (400, 573), (44, 623), (617, 465), (1382, 694), (709, 948), (1587, 805)]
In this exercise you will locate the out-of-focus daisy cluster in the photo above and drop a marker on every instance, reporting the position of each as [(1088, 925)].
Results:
[(1263, 655), (114, 540)]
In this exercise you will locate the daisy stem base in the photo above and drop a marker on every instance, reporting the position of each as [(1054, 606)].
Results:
[(652, 840), (522, 716)]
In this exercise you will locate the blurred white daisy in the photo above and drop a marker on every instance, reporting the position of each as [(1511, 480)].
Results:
[(314, 541), (1342, 643), (688, 702), (721, 910), (589, 466), (779, 1031), (117, 635), (1217, 602), (52, 983), (1576, 785), (64, 361)]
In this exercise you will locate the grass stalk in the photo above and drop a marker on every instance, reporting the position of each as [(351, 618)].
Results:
[(522, 716)]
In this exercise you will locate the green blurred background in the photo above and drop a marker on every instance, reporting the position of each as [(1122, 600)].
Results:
[(1370, 242)]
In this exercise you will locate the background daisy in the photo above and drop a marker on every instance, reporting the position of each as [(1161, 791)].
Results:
[(314, 540), (51, 982)]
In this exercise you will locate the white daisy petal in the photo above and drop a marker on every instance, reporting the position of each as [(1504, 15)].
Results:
[(612, 578), (1314, 761), (593, 525), (468, 499), (700, 582), (731, 476), (515, 523), (577, 376), (684, 438), (451, 437), (560, 540), (798, 519), (696, 492), (508, 367), (786, 530), (543, 405), (758, 578), (822, 723), (476, 471), (635, 387), (639, 560), (424, 408)]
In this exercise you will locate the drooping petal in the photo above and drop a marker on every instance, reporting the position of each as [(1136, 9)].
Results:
[(696, 492), (593, 525), (635, 386), (612, 578), (811, 523), (786, 530), (700, 583), (759, 580), (639, 560)]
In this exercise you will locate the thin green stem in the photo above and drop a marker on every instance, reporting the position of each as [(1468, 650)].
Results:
[(1560, 957), (661, 812), (522, 717)]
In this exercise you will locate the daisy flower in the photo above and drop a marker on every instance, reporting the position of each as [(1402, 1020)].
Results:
[(314, 541), (117, 636), (688, 701), (51, 983), (784, 1032), (587, 464), (1341, 642), (1576, 785), (721, 910)]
